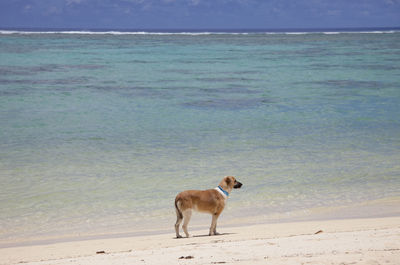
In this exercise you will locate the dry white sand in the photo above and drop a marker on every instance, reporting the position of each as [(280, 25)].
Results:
[(352, 241)]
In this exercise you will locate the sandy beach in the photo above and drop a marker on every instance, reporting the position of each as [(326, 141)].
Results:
[(351, 241)]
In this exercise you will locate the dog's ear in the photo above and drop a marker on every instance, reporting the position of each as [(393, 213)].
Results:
[(228, 181)]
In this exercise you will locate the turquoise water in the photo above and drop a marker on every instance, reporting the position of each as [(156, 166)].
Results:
[(98, 132)]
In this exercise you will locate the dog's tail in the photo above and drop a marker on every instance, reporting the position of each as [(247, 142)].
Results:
[(178, 211)]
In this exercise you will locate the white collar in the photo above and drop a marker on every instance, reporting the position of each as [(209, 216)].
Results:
[(221, 191)]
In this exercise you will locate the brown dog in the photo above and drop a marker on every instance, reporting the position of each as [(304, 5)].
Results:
[(208, 201)]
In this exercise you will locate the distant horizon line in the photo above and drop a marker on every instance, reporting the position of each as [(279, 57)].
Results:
[(200, 30)]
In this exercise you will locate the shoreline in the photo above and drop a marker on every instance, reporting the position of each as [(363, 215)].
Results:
[(386, 231)]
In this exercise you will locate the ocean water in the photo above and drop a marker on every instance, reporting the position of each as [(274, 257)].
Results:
[(100, 131)]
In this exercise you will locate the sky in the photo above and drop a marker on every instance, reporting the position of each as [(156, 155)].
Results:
[(198, 14)]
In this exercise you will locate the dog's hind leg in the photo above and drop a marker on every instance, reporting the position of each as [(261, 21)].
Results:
[(177, 224), (186, 218), (179, 218)]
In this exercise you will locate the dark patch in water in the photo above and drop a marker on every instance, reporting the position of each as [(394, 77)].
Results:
[(228, 90), (132, 91), (352, 84), (141, 62), (14, 70), (179, 71), (110, 82), (63, 81), (223, 79), (378, 67), (303, 53), (31, 70), (387, 67), (349, 84), (348, 87), (10, 93), (227, 104), (165, 81), (17, 49), (84, 66), (321, 66), (246, 72)]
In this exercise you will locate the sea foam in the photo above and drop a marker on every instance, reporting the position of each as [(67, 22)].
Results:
[(195, 33)]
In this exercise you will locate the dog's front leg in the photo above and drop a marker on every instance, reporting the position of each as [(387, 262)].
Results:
[(213, 227)]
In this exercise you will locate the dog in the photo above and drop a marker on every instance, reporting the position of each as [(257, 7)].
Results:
[(209, 201)]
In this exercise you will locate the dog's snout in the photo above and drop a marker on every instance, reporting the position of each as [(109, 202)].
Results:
[(237, 185)]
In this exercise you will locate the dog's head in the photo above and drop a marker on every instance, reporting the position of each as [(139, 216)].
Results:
[(231, 183)]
